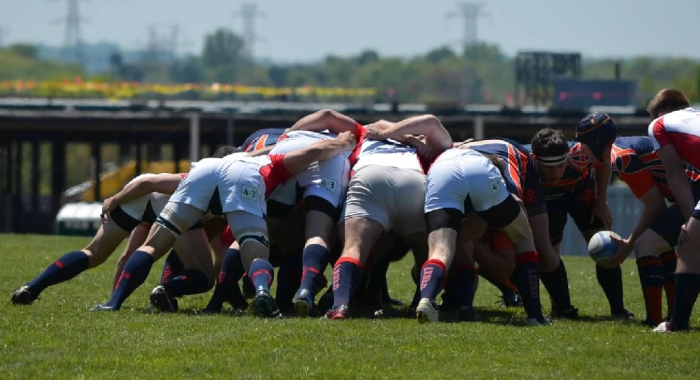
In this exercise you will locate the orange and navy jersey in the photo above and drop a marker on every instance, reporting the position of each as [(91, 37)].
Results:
[(262, 138), (520, 174), (637, 164), (578, 173)]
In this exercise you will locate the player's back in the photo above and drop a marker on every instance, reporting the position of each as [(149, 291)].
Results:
[(262, 138), (682, 130)]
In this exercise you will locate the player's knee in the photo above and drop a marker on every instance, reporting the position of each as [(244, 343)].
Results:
[(443, 218), (650, 244), (323, 206)]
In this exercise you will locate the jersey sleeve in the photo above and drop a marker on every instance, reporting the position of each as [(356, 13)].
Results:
[(533, 195), (632, 171), (658, 134)]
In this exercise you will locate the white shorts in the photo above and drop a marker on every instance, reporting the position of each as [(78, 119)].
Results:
[(327, 180), (392, 197), (239, 185), (137, 207), (464, 180)]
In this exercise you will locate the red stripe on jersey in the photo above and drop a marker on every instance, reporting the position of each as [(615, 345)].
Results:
[(226, 237), (360, 133), (660, 134), (274, 174)]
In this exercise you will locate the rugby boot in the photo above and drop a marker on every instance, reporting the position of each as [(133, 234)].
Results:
[(160, 300), (265, 306), (426, 311), (304, 303), (623, 315), (511, 299), (339, 313), (23, 296), (102, 307)]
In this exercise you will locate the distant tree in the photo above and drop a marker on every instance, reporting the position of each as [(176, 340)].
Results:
[(367, 57), (222, 54), (187, 70), (24, 50), (440, 54)]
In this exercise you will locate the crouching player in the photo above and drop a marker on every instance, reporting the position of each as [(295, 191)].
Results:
[(121, 221), (236, 186), (675, 133), (460, 181)]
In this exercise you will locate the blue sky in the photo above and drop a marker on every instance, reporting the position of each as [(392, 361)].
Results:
[(306, 30)]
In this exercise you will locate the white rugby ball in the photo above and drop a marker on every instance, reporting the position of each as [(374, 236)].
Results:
[(602, 248)]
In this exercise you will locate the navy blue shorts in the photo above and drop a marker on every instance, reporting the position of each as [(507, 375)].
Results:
[(668, 226), (579, 205)]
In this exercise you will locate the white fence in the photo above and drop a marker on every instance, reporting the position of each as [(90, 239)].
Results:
[(626, 210)]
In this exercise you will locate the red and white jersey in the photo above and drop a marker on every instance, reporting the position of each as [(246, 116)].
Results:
[(680, 129), (384, 153), (271, 168)]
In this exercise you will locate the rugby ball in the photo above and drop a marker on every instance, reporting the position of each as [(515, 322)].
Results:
[(601, 247)]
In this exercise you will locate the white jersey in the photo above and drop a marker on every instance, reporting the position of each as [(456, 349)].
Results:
[(387, 153), (327, 179)]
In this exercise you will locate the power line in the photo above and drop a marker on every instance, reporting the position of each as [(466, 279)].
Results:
[(249, 13), (73, 41), (470, 14)]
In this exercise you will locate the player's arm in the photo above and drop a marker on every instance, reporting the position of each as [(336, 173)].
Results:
[(298, 160), (539, 224), (164, 184), (436, 136), (654, 207), (603, 173), (261, 152), (324, 119), (677, 181)]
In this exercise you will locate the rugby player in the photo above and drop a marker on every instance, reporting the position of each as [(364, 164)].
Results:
[(458, 182), (522, 180), (656, 233), (573, 186), (385, 194), (237, 186), (121, 221), (191, 271), (675, 133)]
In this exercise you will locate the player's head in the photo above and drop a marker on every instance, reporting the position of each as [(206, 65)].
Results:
[(666, 101), (597, 132), (225, 151), (551, 150)]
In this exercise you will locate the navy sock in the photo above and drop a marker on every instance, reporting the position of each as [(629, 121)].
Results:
[(227, 282), (557, 285), (288, 280), (347, 274), (379, 272), (172, 266), (669, 260), (464, 284), (187, 282), (610, 279), (315, 260), (687, 288), (528, 283), (262, 274), (134, 274), (651, 276), (68, 266), (432, 278)]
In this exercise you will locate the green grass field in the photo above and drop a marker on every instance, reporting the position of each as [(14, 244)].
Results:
[(58, 336)]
